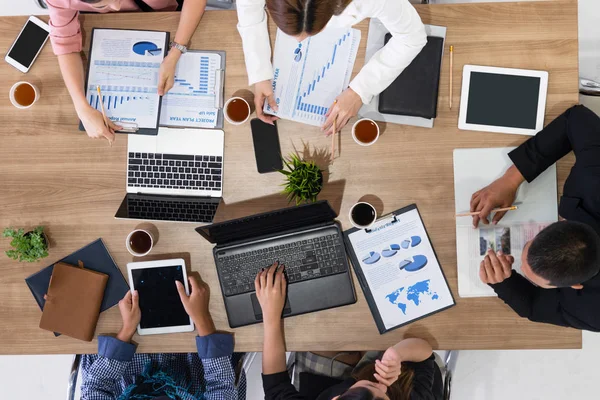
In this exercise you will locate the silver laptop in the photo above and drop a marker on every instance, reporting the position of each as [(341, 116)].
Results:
[(176, 175)]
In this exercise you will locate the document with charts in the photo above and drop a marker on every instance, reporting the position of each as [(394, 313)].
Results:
[(125, 64), (537, 208), (195, 99), (309, 75), (398, 269)]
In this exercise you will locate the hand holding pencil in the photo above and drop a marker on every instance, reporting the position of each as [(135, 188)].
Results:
[(498, 198)]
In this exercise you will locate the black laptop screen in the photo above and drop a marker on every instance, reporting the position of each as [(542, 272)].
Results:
[(268, 223)]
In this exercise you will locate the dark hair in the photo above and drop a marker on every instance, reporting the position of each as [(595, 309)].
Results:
[(400, 390), (358, 394), (565, 253), (310, 16)]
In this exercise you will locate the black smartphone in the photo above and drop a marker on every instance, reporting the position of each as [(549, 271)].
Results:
[(266, 146)]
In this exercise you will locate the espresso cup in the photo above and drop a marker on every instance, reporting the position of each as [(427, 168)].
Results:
[(139, 242), (362, 215), (358, 138), (14, 96), (232, 116)]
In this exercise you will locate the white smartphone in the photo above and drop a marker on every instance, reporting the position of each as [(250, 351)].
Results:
[(28, 44)]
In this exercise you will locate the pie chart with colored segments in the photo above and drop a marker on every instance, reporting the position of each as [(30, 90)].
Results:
[(415, 241), (142, 47), (389, 252), (371, 258), (418, 262)]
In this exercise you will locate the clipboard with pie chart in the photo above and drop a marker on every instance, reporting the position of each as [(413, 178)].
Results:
[(398, 269)]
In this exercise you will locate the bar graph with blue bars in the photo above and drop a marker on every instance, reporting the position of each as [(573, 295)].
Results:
[(117, 97), (302, 104), (194, 97)]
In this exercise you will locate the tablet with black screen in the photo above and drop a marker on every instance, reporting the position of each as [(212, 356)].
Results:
[(162, 310), (503, 100)]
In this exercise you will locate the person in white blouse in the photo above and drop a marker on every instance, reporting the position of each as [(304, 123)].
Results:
[(304, 18)]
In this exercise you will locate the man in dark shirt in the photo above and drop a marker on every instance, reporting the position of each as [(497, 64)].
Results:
[(561, 265)]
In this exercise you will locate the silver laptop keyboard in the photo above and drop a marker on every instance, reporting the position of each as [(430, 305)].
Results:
[(303, 259), (175, 171)]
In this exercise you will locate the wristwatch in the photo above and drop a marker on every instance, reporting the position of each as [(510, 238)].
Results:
[(178, 46)]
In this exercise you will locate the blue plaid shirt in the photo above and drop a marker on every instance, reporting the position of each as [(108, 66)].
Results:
[(107, 374)]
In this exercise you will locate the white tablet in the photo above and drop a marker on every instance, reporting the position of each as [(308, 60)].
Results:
[(162, 310), (503, 100)]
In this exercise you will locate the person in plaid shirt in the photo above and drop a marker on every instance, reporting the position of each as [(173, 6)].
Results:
[(117, 372)]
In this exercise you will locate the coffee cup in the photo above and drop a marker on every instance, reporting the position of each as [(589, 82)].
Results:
[(23, 94), (139, 242), (362, 215), (237, 111), (365, 131)]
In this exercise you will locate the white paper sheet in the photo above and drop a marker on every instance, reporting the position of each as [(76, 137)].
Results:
[(401, 269), (125, 64), (194, 99), (537, 207), (309, 75)]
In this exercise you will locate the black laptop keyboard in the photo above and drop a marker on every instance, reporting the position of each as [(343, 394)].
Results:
[(170, 210), (303, 260), (175, 171)]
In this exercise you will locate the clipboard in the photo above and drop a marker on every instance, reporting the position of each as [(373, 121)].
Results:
[(219, 89), (386, 221), (165, 47)]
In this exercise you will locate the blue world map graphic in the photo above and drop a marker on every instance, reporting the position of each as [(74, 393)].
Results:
[(414, 294)]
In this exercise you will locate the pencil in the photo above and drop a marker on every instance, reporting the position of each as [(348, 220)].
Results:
[(495, 210), (333, 135), (103, 112), (451, 70)]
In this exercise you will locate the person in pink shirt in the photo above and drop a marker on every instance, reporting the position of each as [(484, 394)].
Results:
[(66, 39)]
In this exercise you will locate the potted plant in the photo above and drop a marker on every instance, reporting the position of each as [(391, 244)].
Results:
[(304, 179), (28, 246)]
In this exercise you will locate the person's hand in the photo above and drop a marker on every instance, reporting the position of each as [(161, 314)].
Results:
[(345, 107), (387, 370), (196, 305), (131, 315), (166, 74), (500, 193), (93, 122), (495, 267), (263, 91), (270, 285)]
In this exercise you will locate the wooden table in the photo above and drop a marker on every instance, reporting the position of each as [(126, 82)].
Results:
[(53, 175)]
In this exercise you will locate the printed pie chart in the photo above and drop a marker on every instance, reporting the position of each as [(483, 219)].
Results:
[(395, 246), (417, 263), (389, 252), (415, 241), (142, 47), (405, 244), (372, 258)]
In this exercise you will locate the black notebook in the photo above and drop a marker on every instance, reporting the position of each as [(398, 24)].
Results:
[(415, 92), (95, 256)]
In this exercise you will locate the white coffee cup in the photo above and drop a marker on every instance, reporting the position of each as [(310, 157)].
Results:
[(354, 132), (356, 224), (227, 116), (128, 244), (14, 87)]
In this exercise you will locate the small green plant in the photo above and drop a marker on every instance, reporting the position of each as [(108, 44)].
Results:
[(28, 247), (304, 180)]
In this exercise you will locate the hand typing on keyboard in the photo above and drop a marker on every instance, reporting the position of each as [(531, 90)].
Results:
[(271, 287)]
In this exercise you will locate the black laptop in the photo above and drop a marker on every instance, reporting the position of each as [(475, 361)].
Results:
[(306, 239)]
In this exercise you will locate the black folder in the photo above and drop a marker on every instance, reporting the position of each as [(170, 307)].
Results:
[(415, 91)]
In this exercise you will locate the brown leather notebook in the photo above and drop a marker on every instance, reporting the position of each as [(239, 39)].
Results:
[(73, 301)]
